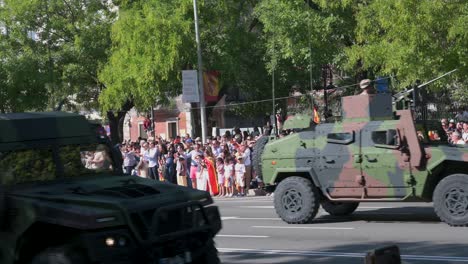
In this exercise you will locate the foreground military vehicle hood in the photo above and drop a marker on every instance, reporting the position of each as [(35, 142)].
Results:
[(63, 197), (98, 202), (373, 154)]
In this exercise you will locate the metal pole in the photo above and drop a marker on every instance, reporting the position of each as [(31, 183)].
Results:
[(273, 105), (200, 74)]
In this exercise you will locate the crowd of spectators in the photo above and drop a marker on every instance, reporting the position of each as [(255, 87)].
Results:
[(222, 165), (456, 132)]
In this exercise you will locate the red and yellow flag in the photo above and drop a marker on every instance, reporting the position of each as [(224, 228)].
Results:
[(211, 85), (316, 116)]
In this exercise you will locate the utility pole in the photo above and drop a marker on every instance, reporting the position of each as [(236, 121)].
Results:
[(200, 74)]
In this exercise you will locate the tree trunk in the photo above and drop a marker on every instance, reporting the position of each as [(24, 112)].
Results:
[(114, 127), (116, 123)]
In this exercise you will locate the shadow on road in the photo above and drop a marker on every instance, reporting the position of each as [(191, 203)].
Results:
[(424, 215), (412, 253)]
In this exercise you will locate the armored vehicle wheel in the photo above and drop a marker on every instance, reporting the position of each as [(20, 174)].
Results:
[(61, 255), (296, 200), (451, 200), (209, 256), (339, 208), (257, 154)]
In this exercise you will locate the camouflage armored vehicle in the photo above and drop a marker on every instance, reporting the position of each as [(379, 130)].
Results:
[(373, 154), (64, 199)]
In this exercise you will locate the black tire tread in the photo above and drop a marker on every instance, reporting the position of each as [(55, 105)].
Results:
[(209, 256), (257, 155), (437, 197), (313, 195)]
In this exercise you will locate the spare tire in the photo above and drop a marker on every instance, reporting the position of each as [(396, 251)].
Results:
[(257, 155)]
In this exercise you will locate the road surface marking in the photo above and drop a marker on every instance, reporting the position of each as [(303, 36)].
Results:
[(258, 206), (336, 254), (306, 227), (228, 217), (248, 218), (243, 236)]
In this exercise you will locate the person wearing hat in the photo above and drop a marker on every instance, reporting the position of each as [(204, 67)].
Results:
[(239, 172), (452, 127), (366, 87)]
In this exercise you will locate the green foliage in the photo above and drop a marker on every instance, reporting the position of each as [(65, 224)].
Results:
[(71, 41), (150, 44), (412, 39), (295, 32), (26, 166)]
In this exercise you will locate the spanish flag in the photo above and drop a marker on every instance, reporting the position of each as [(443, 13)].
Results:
[(316, 116)]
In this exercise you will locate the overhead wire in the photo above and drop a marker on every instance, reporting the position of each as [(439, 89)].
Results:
[(282, 98)]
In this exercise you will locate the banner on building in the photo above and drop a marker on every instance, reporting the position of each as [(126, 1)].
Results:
[(211, 85), (190, 87)]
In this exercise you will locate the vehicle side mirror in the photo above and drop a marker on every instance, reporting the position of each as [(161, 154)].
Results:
[(392, 137)]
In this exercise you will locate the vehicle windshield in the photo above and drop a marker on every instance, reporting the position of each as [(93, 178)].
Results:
[(32, 165)]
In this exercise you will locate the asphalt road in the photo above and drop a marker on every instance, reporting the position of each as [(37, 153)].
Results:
[(253, 233)]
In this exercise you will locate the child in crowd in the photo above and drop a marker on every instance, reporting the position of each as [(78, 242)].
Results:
[(221, 180), (202, 175), (239, 169), (181, 171), (229, 176)]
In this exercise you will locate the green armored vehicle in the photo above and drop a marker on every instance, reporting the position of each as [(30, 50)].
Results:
[(372, 155), (64, 199)]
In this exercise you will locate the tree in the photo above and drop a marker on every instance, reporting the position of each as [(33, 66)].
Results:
[(412, 39), (52, 50), (154, 40)]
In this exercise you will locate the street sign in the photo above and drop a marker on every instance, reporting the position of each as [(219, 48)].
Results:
[(190, 87)]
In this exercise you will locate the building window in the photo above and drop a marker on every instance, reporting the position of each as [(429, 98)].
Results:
[(141, 131), (172, 129)]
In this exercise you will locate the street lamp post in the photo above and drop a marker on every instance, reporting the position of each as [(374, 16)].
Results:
[(200, 74)]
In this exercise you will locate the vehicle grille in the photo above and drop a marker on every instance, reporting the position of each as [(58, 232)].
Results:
[(164, 221)]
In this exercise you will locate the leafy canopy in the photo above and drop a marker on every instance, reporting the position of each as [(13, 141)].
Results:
[(412, 39)]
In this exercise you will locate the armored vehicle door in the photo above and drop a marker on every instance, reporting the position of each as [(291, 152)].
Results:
[(339, 167), (385, 167)]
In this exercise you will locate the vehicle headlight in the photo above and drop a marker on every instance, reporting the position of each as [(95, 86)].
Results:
[(120, 241), (110, 242)]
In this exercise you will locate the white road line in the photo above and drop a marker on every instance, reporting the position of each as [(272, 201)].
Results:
[(242, 236), (228, 217), (258, 206), (249, 218), (272, 207), (375, 207), (306, 227), (336, 254)]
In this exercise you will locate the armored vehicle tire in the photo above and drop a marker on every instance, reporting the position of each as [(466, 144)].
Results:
[(61, 255), (339, 208), (296, 200), (209, 256), (450, 199), (257, 155)]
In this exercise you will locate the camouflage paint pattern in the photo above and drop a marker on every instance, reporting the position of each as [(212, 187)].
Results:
[(356, 160)]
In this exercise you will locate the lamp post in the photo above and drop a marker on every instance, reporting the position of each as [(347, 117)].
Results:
[(200, 74)]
